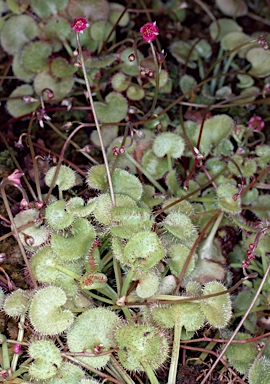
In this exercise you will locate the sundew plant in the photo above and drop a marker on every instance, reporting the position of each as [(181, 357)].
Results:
[(135, 209)]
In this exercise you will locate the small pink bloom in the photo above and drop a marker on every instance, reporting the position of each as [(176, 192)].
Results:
[(149, 32), (79, 24), (17, 349), (15, 177), (256, 123)]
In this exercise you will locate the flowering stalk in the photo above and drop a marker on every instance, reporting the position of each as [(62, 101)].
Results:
[(149, 33), (79, 25)]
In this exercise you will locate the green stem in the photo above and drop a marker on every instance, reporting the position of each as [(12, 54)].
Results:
[(175, 354), (95, 119), (118, 367), (5, 354), (127, 282), (149, 371), (169, 162), (16, 234), (146, 173), (20, 339)]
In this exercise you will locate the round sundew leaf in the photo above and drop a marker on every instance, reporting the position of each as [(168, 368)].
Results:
[(225, 193), (113, 110), (143, 251), (47, 8), (108, 133), (180, 225), (19, 70), (156, 166), (170, 144), (16, 32), (68, 374), (259, 372), (46, 314), (217, 309), (115, 11), (99, 62), (66, 177), (178, 254), (38, 233), (47, 359), (127, 184), (100, 31), (77, 207), (233, 39), (92, 10), (164, 316), (56, 216), (57, 28), (104, 206), (34, 56), (17, 7), (119, 82), (181, 51), (135, 92), (17, 303), (96, 178), (139, 343), (43, 265), (259, 59), (95, 327), (17, 107), (60, 67), (147, 283), (126, 221), (220, 28), (240, 356), (234, 8), (59, 87), (187, 82), (77, 244), (189, 315)]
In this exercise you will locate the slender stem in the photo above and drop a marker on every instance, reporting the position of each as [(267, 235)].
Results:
[(149, 371), (175, 354), (16, 233), (95, 119), (19, 339), (5, 353), (118, 367)]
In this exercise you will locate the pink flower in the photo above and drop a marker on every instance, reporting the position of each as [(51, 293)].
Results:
[(79, 24), (149, 32), (15, 177), (256, 123)]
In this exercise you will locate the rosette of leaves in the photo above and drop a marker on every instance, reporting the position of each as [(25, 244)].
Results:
[(93, 329), (47, 359), (141, 348), (46, 311)]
